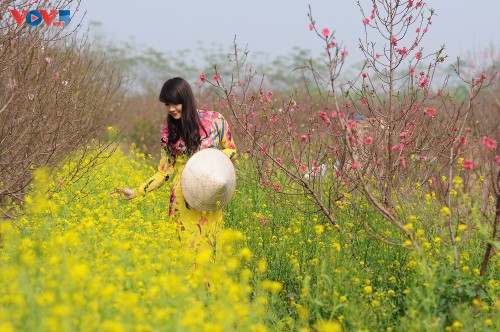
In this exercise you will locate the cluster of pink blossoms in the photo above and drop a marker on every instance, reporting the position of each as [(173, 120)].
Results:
[(489, 143), (430, 112), (203, 79)]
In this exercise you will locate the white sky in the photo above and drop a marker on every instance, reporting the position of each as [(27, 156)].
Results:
[(276, 26)]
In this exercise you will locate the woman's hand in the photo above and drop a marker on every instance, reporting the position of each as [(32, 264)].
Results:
[(123, 193)]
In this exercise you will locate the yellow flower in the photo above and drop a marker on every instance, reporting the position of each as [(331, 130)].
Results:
[(445, 211), (261, 266), (494, 283), (319, 229), (457, 181), (6, 327), (273, 286), (246, 254), (407, 243), (368, 289), (233, 264), (328, 326), (336, 246), (110, 325)]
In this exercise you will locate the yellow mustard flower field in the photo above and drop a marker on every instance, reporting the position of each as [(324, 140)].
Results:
[(81, 260)]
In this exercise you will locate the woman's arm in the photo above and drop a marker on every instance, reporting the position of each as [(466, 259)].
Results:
[(165, 171)]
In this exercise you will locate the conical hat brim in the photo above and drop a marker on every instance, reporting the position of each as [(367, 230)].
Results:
[(208, 181)]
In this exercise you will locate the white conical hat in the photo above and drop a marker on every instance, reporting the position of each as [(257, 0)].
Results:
[(208, 180)]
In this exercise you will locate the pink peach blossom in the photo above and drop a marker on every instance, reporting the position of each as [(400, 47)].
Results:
[(404, 134), (489, 143), (423, 82), (402, 161), (468, 165), (430, 112), (398, 147)]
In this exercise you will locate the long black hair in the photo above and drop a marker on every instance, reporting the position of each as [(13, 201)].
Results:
[(177, 91)]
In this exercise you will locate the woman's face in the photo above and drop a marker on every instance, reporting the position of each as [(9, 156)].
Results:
[(175, 110)]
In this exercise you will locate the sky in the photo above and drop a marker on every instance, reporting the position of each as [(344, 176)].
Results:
[(275, 27)]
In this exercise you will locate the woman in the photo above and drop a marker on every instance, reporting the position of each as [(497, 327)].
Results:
[(188, 130)]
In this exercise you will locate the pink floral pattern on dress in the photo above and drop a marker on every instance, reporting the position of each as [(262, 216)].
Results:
[(217, 134)]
